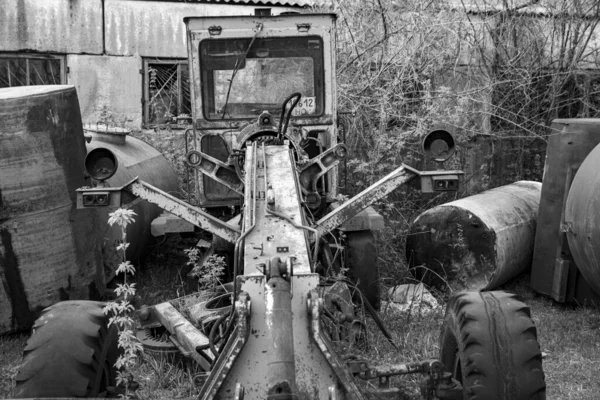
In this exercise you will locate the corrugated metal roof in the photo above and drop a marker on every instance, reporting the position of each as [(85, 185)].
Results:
[(288, 3)]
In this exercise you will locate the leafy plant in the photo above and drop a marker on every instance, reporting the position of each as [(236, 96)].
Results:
[(122, 309), (208, 272)]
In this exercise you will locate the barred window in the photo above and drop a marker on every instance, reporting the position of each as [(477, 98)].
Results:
[(31, 69), (166, 92)]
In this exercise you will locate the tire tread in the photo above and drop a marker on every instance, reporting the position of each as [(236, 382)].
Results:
[(74, 334), (496, 340)]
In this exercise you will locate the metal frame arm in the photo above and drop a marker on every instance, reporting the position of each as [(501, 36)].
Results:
[(167, 202), (364, 199), (431, 181), (215, 169)]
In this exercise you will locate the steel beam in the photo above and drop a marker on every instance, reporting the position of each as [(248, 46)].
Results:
[(185, 334), (364, 199), (183, 210)]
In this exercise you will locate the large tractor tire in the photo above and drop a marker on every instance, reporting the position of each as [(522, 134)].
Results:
[(363, 269), (489, 343), (71, 353)]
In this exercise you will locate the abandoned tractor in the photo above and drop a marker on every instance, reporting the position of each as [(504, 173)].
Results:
[(265, 144)]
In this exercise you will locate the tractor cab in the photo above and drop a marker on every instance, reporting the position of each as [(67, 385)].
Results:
[(243, 69)]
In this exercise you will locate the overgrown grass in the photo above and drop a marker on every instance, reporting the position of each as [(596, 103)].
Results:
[(11, 350), (570, 338), (568, 335)]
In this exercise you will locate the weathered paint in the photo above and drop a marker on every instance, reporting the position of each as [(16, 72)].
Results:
[(159, 28), (477, 242), (184, 210), (185, 333), (322, 25), (353, 206), (48, 250), (582, 218), (108, 86), (278, 319), (51, 26), (273, 233), (328, 352), (568, 146), (136, 158), (313, 373)]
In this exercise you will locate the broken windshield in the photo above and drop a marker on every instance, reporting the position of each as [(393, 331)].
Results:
[(241, 82)]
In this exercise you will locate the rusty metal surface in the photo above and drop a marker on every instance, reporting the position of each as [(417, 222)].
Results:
[(183, 210), (136, 158), (322, 25), (185, 334), (278, 319), (216, 169), (274, 236), (477, 242), (51, 26), (224, 365), (314, 376), (570, 143), (353, 206), (315, 305), (48, 250), (582, 218)]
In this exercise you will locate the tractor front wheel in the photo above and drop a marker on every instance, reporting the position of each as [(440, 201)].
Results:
[(71, 353), (489, 343)]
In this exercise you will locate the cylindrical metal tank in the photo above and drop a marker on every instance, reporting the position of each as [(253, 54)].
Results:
[(477, 242), (48, 249), (136, 158), (582, 219)]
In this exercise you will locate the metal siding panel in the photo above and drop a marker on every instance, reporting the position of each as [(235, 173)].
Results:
[(276, 3), (156, 29), (60, 26), (110, 83)]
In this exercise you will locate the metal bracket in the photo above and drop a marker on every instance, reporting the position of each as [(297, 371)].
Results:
[(216, 169), (316, 167), (438, 181)]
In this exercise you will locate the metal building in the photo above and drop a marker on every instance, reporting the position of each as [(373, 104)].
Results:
[(127, 58)]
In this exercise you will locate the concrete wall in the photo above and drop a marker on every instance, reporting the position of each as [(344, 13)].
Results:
[(108, 85), (56, 26)]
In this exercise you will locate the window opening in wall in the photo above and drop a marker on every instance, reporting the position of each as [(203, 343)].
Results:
[(31, 69), (166, 93)]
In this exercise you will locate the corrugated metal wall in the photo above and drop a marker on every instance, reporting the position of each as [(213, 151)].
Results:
[(156, 29)]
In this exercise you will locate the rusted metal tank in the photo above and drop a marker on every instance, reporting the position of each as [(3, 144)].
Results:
[(136, 158), (582, 219), (477, 242), (554, 271), (49, 250)]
